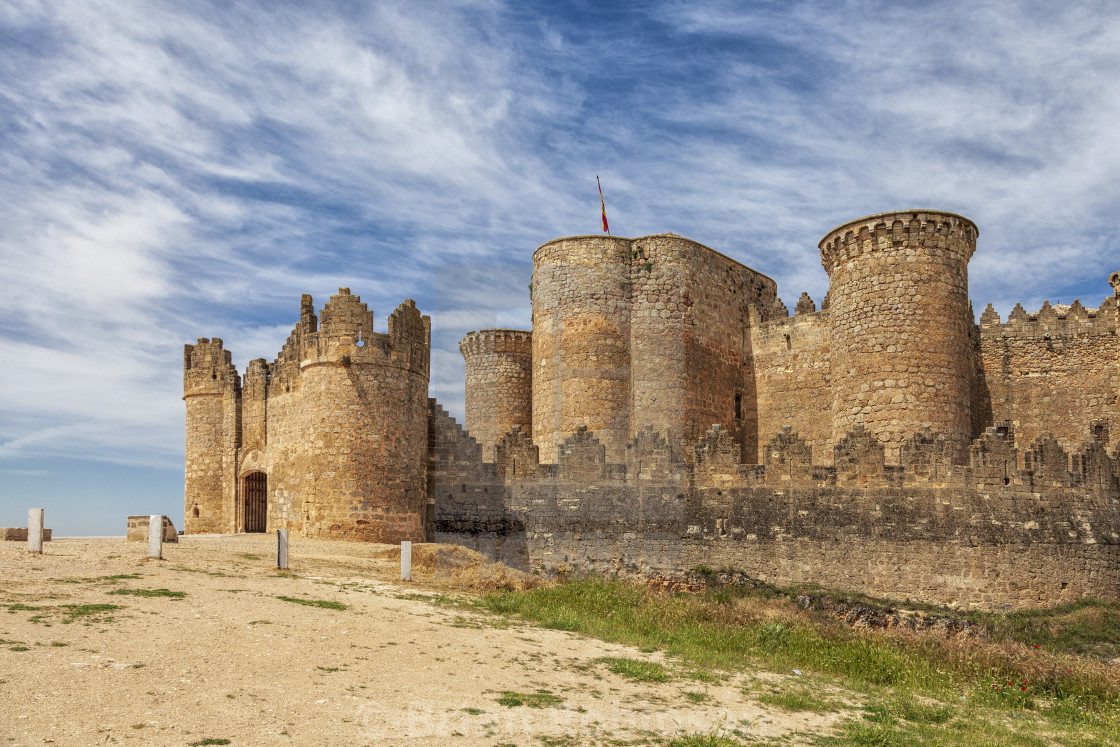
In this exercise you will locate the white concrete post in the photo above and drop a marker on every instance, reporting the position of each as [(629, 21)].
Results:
[(282, 549), (155, 537), (406, 561), (35, 530)]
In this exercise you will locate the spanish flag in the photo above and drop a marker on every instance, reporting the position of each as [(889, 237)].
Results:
[(603, 207)]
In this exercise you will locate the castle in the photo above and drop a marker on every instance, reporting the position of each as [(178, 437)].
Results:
[(666, 412)]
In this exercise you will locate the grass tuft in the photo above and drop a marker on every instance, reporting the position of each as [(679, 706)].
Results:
[(149, 593), (325, 604), (635, 669), (539, 699)]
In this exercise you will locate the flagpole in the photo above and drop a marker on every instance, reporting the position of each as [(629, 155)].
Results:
[(603, 206)]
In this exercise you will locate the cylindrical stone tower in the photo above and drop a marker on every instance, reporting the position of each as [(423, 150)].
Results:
[(355, 443), (499, 384), (581, 342), (211, 389), (900, 322)]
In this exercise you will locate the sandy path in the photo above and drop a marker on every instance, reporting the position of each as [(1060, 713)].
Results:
[(232, 661)]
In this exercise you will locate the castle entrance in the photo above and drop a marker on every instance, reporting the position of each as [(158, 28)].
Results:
[(254, 501)]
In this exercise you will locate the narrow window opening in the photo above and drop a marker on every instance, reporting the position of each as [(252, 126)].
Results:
[(1002, 432), (789, 345), (196, 512), (1098, 433), (738, 407)]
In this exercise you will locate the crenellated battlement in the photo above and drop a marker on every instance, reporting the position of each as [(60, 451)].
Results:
[(516, 341), (859, 461), (806, 329), (1052, 321), (345, 337), (208, 368), (882, 232)]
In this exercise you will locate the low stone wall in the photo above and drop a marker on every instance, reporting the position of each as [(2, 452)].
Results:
[(986, 535), (138, 529), (19, 534)]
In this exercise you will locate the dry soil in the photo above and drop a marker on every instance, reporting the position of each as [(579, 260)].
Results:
[(403, 663)]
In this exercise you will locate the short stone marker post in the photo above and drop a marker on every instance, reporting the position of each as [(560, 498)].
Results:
[(282, 549), (406, 560), (155, 537), (35, 530)]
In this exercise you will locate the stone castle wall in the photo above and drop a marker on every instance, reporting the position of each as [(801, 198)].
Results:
[(792, 365), (337, 425), (499, 375), (986, 534), (1054, 371)]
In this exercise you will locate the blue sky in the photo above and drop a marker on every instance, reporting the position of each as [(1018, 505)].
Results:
[(182, 170)]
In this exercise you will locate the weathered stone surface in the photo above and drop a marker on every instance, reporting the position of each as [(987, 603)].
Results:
[(499, 365), (985, 534), (329, 440), (137, 529), (900, 327), (19, 534)]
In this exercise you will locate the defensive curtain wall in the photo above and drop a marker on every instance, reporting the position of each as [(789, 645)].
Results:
[(987, 533)]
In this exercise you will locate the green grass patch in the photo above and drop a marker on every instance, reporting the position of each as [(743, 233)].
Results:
[(19, 648), (473, 711), (22, 608), (95, 612), (695, 697), (120, 577), (797, 700), (704, 740), (636, 669), (539, 699), (1089, 627), (209, 741), (749, 628), (325, 604), (150, 593)]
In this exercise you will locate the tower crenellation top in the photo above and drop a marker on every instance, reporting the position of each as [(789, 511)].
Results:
[(497, 341), (894, 230)]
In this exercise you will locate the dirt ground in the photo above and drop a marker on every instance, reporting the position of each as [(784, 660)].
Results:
[(231, 660)]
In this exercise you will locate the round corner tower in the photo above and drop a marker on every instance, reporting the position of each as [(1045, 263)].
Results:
[(499, 365), (581, 342), (900, 325)]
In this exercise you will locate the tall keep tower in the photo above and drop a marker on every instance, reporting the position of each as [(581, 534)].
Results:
[(499, 384), (900, 325)]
